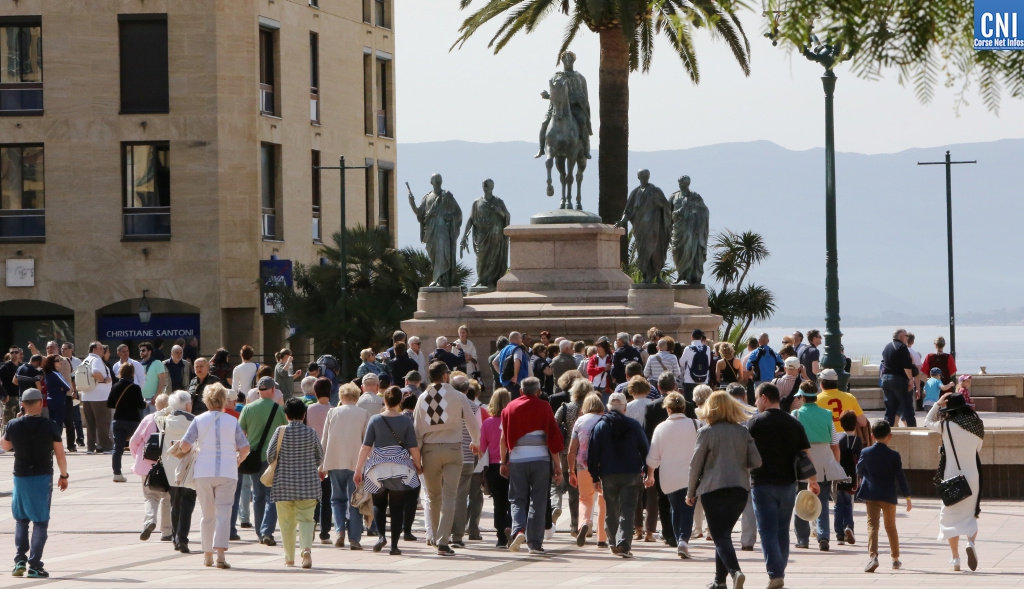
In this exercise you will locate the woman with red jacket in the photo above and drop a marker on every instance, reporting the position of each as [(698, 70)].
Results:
[(599, 367)]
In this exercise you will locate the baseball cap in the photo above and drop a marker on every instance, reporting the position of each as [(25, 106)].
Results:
[(792, 362), (370, 377), (828, 374), (617, 399), (266, 383), (935, 372), (32, 395)]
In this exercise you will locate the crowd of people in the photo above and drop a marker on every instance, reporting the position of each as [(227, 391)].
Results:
[(645, 437)]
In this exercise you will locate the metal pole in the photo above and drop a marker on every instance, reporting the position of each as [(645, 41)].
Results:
[(344, 270), (833, 357), (949, 245)]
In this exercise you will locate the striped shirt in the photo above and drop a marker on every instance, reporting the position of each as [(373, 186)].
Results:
[(296, 475)]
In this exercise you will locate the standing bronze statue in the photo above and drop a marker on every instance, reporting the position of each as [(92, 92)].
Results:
[(565, 133), (440, 218), (651, 215), (488, 219), (690, 226)]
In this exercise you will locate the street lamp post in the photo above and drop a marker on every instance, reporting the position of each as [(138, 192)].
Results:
[(828, 56), (949, 241), (341, 167)]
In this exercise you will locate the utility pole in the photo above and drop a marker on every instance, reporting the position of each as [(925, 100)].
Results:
[(949, 240), (341, 167)]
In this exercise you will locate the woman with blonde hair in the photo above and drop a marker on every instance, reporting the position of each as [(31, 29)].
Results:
[(728, 369), (221, 447), (592, 409), (368, 366), (720, 475), (490, 436)]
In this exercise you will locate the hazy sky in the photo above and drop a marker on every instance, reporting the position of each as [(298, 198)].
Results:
[(473, 95)]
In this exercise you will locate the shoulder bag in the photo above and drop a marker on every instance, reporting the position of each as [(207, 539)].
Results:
[(954, 489), (267, 478), (254, 461)]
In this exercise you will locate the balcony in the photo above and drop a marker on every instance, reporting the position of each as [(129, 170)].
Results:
[(21, 99), (22, 225), (147, 223)]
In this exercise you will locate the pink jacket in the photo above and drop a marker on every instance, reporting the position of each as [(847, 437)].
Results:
[(137, 444), (490, 436)]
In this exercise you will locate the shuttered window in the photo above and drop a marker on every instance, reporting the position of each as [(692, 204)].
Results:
[(144, 86)]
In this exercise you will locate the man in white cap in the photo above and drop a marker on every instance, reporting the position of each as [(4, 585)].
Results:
[(837, 401), (34, 440), (370, 401), (263, 414), (617, 460)]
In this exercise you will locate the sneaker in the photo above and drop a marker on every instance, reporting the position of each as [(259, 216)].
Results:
[(849, 536), (409, 537), (556, 513), (71, 449), (841, 542), (166, 538), (355, 546), (147, 532), (716, 585), (475, 537), (802, 545), (90, 451), (581, 537), (38, 573), (517, 542), (381, 542), (972, 556), (235, 538), (268, 541), (954, 565), (395, 552), (80, 442), (307, 559), (625, 553), (340, 542), (738, 579), (823, 545), (119, 478), (747, 548), (602, 545), (326, 541), (445, 551), (549, 533), (896, 565), (683, 551), (538, 552), (245, 525), (183, 548), (19, 569), (871, 565), (458, 543)]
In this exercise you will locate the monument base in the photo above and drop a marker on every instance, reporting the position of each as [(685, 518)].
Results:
[(691, 294), (564, 216)]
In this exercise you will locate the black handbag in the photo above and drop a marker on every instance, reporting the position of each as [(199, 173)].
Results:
[(157, 478), (154, 446), (803, 467), (954, 489), (253, 463)]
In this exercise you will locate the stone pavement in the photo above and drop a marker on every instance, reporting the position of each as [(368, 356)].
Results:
[(94, 543)]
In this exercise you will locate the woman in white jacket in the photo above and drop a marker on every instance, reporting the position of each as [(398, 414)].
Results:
[(671, 450)]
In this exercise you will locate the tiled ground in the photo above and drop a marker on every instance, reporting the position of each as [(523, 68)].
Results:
[(94, 543)]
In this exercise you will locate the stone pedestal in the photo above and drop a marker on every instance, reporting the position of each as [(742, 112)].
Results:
[(691, 294), (650, 298), (434, 301)]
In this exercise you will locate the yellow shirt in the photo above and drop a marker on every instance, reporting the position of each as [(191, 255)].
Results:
[(837, 401)]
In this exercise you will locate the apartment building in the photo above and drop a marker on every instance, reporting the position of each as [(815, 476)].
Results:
[(153, 152)]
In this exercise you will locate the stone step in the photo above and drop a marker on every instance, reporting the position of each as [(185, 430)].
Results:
[(542, 310), (870, 399), (543, 297), (866, 381)]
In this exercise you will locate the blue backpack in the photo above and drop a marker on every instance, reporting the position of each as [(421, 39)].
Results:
[(700, 366)]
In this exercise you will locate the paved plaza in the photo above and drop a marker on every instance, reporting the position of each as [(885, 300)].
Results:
[(94, 542)]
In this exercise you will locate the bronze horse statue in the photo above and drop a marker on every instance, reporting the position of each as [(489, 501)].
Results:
[(564, 146)]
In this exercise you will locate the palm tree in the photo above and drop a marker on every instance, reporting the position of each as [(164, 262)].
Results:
[(626, 29), (734, 256)]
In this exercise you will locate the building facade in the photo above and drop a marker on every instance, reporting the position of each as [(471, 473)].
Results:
[(161, 149)]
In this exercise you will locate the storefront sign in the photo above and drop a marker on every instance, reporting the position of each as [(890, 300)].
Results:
[(160, 326), (274, 274)]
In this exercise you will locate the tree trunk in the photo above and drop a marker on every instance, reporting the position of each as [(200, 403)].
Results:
[(613, 135)]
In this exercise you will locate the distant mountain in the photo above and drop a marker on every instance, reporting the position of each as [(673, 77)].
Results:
[(892, 218)]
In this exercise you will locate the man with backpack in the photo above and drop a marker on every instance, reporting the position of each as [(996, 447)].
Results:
[(329, 368), (695, 364), (512, 364), (763, 361)]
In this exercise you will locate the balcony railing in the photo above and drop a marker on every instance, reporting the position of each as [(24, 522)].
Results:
[(142, 223), (19, 225), (22, 98)]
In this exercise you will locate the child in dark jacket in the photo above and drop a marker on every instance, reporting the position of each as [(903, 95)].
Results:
[(880, 470), (849, 453)]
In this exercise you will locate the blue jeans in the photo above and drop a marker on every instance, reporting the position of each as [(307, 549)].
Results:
[(123, 431), (264, 511), (345, 516), (898, 400), (620, 495), (243, 502), (773, 506), (528, 485), (34, 551), (821, 528), (844, 513), (682, 516)]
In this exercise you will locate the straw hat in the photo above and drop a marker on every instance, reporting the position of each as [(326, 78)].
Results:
[(807, 507)]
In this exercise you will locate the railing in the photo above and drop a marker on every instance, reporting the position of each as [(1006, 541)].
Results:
[(22, 224), (147, 222), (22, 98), (267, 99)]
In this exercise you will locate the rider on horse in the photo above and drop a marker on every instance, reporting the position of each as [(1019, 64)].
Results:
[(579, 102)]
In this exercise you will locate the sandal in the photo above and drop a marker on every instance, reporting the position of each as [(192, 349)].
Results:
[(307, 559)]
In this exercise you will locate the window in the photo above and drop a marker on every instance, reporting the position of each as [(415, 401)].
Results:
[(317, 228), (314, 77), (22, 217), (271, 220), (383, 196), (314, 3), (268, 98), (368, 11), (370, 217), (21, 66), (368, 92), (144, 78), (383, 14), (146, 190), (383, 94)]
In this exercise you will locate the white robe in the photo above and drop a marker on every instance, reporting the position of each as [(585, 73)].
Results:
[(958, 520)]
